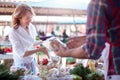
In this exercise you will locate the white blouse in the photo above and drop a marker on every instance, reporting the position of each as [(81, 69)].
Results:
[(22, 41)]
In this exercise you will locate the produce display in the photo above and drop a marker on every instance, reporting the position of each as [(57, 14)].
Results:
[(4, 50), (5, 73), (5, 47), (59, 74), (51, 68), (85, 73)]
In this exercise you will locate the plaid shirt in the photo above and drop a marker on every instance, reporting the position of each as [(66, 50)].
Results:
[(103, 25)]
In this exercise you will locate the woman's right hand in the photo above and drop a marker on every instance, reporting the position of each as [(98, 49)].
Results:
[(44, 50)]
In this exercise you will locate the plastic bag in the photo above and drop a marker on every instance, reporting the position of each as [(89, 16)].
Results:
[(50, 45)]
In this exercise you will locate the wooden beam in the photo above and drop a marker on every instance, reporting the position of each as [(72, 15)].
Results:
[(8, 8), (2, 23), (44, 12)]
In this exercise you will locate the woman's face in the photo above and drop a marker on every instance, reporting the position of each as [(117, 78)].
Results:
[(26, 19)]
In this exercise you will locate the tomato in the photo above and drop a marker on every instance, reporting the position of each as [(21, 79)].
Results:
[(44, 61)]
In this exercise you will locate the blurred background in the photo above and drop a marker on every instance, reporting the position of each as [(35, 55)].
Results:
[(53, 17)]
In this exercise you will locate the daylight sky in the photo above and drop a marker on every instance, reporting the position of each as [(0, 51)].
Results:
[(70, 4)]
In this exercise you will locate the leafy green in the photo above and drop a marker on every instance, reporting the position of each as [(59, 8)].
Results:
[(85, 73), (5, 73), (76, 77), (3, 67), (70, 59), (93, 76), (81, 71)]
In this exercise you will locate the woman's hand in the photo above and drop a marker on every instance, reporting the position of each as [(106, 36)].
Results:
[(37, 43), (75, 42), (44, 50), (39, 49)]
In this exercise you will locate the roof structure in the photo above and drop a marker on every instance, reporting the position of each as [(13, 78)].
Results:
[(7, 8), (72, 8)]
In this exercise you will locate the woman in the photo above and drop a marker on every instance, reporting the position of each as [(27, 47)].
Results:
[(22, 37)]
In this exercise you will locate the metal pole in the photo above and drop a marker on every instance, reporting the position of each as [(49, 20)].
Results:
[(74, 22)]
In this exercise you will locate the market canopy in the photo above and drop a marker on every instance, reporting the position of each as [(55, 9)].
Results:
[(65, 4), (47, 7), (71, 8)]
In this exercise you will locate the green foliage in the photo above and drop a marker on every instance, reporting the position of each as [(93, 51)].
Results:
[(81, 71), (65, 40), (18, 72), (76, 77), (5, 73), (93, 76), (3, 67), (37, 38), (70, 59), (85, 73)]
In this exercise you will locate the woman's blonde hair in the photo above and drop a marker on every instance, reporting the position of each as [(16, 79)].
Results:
[(20, 11)]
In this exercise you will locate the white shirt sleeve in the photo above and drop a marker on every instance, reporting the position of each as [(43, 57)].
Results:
[(18, 48)]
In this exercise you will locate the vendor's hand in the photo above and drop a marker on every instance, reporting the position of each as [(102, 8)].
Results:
[(58, 48), (76, 41), (54, 45), (61, 51)]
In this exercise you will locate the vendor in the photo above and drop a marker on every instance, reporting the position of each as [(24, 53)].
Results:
[(103, 25), (22, 37)]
